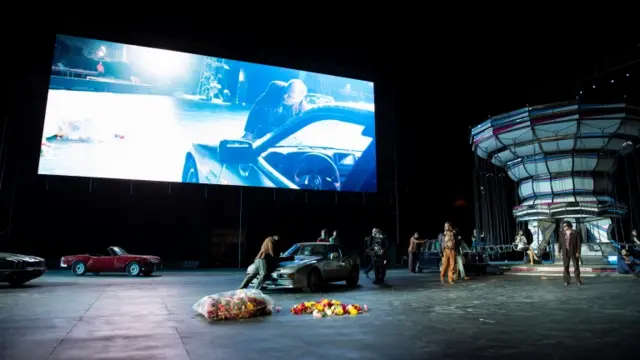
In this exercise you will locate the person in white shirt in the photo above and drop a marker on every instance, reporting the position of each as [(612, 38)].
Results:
[(634, 236), (522, 244)]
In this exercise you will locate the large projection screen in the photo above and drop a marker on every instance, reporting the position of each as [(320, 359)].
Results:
[(129, 112)]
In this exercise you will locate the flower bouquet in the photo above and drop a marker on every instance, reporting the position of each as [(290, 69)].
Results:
[(325, 307), (237, 304)]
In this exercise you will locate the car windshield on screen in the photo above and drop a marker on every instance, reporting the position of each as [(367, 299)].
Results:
[(307, 250), (330, 134)]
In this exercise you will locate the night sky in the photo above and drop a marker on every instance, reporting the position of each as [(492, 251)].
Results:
[(433, 90)]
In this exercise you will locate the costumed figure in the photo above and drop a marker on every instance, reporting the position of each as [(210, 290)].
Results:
[(377, 249), (634, 236), (447, 241), (569, 246), (413, 252), (627, 264)]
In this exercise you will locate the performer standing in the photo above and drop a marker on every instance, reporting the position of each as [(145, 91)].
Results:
[(413, 251), (367, 244), (334, 239), (569, 248), (323, 236), (459, 271), (448, 248), (378, 249), (265, 263)]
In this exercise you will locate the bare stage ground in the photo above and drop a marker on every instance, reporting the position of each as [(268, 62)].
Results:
[(60, 316)]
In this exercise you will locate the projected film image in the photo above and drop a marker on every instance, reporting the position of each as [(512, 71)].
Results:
[(130, 112)]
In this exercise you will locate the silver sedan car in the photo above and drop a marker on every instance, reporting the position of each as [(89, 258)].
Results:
[(313, 265)]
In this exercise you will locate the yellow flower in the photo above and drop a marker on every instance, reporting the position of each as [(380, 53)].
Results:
[(352, 310), (310, 304), (319, 307), (335, 302), (250, 306), (339, 312)]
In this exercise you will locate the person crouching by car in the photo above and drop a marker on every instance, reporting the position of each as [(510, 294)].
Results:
[(265, 263), (413, 251), (627, 264), (448, 247)]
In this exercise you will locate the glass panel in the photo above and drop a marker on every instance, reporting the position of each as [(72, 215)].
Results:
[(557, 128), (542, 187), (526, 188), (557, 146), (591, 143), (598, 127), (561, 164), (562, 185), (584, 163), (521, 135)]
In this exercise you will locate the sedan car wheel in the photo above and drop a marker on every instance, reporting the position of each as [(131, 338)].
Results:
[(314, 281), (133, 269), (79, 268), (354, 277)]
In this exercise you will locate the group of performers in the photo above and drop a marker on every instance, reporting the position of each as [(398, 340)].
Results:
[(449, 244)]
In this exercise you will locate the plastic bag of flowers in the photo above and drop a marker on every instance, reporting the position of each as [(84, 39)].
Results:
[(237, 304)]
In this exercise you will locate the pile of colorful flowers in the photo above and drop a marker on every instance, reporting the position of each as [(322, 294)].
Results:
[(238, 304), (325, 307)]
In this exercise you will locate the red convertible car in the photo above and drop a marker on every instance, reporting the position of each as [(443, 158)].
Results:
[(117, 261)]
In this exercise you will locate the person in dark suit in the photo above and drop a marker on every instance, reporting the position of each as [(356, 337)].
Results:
[(569, 245)]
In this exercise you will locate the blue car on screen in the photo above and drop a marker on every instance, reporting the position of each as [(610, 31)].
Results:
[(328, 147)]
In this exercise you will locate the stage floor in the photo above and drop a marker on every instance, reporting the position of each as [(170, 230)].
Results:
[(60, 316)]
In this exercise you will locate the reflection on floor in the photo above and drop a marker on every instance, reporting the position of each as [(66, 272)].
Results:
[(497, 317)]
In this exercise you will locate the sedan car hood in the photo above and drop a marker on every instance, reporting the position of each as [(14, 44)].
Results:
[(20, 257), (300, 261)]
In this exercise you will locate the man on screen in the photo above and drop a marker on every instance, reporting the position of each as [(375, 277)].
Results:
[(279, 103)]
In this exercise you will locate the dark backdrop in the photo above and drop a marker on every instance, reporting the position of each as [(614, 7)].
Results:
[(425, 105)]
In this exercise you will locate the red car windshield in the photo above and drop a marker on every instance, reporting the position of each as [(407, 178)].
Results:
[(117, 250)]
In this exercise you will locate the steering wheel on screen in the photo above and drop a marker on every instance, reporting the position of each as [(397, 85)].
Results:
[(317, 171)]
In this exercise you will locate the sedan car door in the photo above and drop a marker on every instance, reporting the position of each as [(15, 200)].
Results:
[(429, 257), (345, 263), (334, 263)]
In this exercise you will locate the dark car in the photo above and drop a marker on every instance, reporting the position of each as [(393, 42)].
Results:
[(329, 147), (18, 269), (116, 260), (430, 259)]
